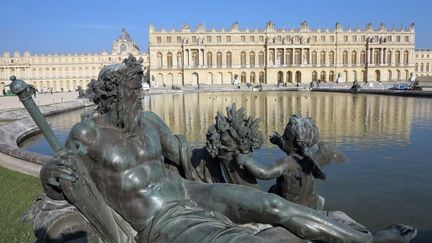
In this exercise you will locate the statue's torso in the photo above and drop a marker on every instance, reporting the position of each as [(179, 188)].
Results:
[(130, 174)]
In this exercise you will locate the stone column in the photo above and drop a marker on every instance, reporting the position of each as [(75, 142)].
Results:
[(292, 56), (371, 56), (382, 56), (283, 61), (189, 57), (184, 58), (309, 56)]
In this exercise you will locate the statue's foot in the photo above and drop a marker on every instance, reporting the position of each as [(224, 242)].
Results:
[(397, 233)]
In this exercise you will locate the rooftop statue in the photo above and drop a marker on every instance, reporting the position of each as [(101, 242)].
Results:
[(112, 171)]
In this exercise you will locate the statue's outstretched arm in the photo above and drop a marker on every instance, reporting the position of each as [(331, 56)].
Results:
[(260, 171)]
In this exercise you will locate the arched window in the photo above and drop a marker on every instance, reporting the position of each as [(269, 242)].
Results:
[(427, 67), (397, 58), (298, 77), (195, 58), (421, 67), (159, 58), (169, 60), (345, 58), (279, 57), (209, 59), (289, 77), (362, 58), (416, 67), (228, 59), (345, 78), (323, 76), (219, 59), (314, 58), (405, 58), (398, 73), (331, 58), (322, 58), (179, 60), (354, 58), (376, 59), (331, 76), (271, 56), (252, 77), (261, 58), (389, 58), (243, 59), (243, 77), (314, 76), (261, 77), (288, 57), (389, 75), (297, 57), (252, 60), (355, 75)]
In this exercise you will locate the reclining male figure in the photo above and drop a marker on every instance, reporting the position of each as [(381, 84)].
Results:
[(122, 150)]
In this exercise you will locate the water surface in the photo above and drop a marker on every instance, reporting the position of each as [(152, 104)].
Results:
[(388, 140)]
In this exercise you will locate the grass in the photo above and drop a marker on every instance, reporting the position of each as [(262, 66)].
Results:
[(17, 192)]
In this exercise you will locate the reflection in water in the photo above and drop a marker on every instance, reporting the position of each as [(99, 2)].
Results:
[(342, 118), (386, 138)]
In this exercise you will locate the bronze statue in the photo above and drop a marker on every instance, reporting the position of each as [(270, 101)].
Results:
[(113, 171)]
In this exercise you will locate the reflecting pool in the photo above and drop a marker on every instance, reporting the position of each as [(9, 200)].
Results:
[(389, 177)]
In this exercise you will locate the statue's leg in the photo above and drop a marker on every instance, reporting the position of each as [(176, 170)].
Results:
[(245, 205)]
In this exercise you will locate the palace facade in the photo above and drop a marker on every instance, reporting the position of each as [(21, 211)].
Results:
[(65, 72), (271, 55), (209, 56)]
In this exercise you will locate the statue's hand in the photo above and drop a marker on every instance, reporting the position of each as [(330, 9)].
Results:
[(59, 168), (275, 138)]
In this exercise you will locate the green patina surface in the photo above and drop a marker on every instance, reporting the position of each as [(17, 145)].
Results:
[(17, 194)]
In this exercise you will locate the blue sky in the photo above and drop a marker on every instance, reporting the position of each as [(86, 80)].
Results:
[(60, 26)]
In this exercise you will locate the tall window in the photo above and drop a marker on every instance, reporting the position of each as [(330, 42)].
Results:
[(362, 58), (209, 59), (252, 59), (297, 57), (314, 58), (243, 58), (195, 58), (219, 59), (288, 57), (228, 59), (331, 58), (252, 77), (261, 58), (397, 58), (389, 57), (314, 76), (322, 58), (331, 76), (261, 77), (271, 56), (169, 60), (279, 57), (405, 57), (323, 76), (159, 58), (376, 57), (345, 57), (354, 58), (179, 59)]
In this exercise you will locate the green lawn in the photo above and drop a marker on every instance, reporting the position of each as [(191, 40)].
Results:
[(17, 192)]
